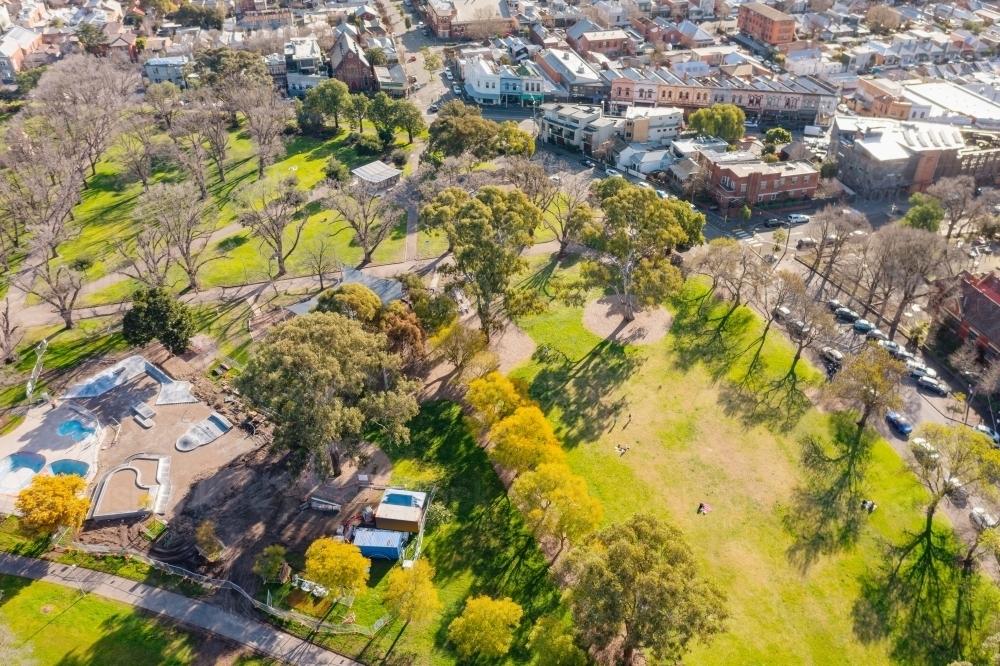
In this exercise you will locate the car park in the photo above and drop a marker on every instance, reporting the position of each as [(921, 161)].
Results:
[(898, 421), (989, 432), (924, 452), (834, 304), (918, 369), (774, 222), (832, 355), (846, 314), (932, 385), (863, 326), (876, 334), (981, 519), (798, 218), (782, 313)]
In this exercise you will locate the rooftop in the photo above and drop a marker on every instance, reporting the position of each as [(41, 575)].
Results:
[(767, 11)]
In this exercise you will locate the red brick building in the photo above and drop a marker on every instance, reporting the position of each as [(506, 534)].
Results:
[(348, 63), (765, 23), (972, 309), (734, 181)]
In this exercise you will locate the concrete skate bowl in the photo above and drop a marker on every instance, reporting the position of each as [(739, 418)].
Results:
[(138, 486), (171, 392), (206, 432)]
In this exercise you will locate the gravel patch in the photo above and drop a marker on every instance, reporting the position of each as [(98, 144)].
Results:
[(605, 317)]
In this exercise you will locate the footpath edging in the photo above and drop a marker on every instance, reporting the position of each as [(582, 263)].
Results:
[(249, 633)]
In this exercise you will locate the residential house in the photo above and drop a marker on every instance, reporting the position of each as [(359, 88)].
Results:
[(658, 126), (765, 24), (32, 15), (275, 64), (268, 19), (735, 179), (348, 64), (694, 36), (641, 160), (123, 45), (610, 43), (388, 46), (365, 13), (170, 69), (305, 66), (973, 310), (611, 13), (15, 45)]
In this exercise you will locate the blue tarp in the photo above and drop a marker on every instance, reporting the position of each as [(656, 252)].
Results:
[(380, 544)]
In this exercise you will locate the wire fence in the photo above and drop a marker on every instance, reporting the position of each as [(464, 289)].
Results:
[(219, 584)]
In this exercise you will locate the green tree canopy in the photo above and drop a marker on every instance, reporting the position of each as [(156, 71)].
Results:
[(627, 575), (225, 65), (157, 315), (376, 56), (722, 120), (551, 644), (512, 141), (925, 213), (462, 129), (777, 135), (354, 301), (870, 382), (382, 113), (328, 99), (488, 234), (409, 118), (91, 39), (337, 565), (485, 628), (322, 379), (633, 238), (411, 594)]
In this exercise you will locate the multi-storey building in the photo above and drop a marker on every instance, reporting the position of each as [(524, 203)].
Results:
[(652, 125), (765, 23), (576, 75), (468, 18), (735, 179), (579, 126)]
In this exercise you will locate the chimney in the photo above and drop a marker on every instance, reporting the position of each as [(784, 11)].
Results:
[(565, 55)]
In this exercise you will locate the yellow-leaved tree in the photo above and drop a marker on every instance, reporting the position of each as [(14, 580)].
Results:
[(485, 627), (494, 397), (524, 440), (51, 502), (410, 594), (555, 503), (336, 565)]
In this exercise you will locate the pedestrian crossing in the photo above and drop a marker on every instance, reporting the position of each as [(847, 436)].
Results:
[(747, 238)]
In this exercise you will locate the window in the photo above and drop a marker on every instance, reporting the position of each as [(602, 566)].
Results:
[(795, 179), (743, 188), (773, 197), (760, 198)]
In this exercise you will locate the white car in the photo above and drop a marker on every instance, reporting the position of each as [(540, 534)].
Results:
[(645, 186), (917, 369), (456, 90), (956, 488), (555, 179), (989, 432), (924, 452), (448, 75), (797, 218), (832, 355), (982, 520), (611, 173)]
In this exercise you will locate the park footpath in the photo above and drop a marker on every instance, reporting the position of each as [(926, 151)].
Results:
[(255, 635)]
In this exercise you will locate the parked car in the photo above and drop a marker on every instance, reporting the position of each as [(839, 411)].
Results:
[(834, 304), (889, 346), (645, 186), (774, 222), (918, 369), (876, 334), (432, 108), (448, 75), (458, 91), (611, 173), (956, 489), (924, 452), (798, 218), (770, 258), (799, 329), (898, 421), (847, 314), (863, 325), (989, 432), (662, 194), (588, 163), (932, 385), (782, 313), (832, 355), (902, 355), (803, 243), (983, 520), (555, 179)]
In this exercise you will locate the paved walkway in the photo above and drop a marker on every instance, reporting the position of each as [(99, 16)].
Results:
[(252, 634)]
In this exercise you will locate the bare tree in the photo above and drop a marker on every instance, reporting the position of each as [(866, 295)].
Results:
[(138, 148), (267, 209), (59, 286), (39, 185), (532, 179), (917, 255), (187, 222), (834, 228), (212, 119), (148, 259), (487, 22), (320, 258), (368, 212), (982, 377), (165, 100), (266, 115), (811, 321), (190, 141), (569, 212), (958, 199), (84, 97), (10, 334)]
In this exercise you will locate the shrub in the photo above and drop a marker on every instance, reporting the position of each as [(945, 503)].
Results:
[(353, 137), (337, 171), (438, 514), (399, 157), (386, 136), (82, 263), (369, 144)]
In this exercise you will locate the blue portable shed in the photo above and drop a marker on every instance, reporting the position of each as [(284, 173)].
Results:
[(380, 544)]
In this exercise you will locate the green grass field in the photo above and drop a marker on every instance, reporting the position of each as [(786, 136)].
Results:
[(694, 438)]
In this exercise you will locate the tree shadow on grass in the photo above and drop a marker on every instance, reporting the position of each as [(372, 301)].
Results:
[(709, 332), (825, 515), (578, 389), (924, 603), (777, 405)]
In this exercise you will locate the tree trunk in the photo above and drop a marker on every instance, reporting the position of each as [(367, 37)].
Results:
[(563, 244), (193, 280), (260, 167), (220, 165), (335, 460), (67, 316)]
